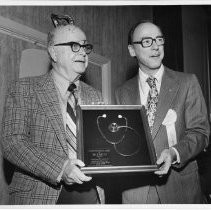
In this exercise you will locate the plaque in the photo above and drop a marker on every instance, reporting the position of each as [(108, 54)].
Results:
[(114, 139)]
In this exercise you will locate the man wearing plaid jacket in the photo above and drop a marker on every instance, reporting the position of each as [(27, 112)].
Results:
[(34, 127)]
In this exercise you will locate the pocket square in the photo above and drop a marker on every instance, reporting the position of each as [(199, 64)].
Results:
[(169, 123)]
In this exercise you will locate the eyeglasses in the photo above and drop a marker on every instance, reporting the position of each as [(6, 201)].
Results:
[(147, 42), (75, 46)]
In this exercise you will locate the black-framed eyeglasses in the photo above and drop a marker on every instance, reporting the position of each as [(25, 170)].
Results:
[(75, 46), (148, 41)]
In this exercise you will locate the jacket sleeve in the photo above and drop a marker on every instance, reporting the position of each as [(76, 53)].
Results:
[(196, 136), (16, 137)]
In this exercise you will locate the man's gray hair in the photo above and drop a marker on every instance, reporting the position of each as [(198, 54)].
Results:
[(51, 35)]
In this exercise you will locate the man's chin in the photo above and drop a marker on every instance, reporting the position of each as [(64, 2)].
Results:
[(80, 71), (155, 67)]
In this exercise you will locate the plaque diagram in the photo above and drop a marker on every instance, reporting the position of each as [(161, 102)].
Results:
[(115, 131)]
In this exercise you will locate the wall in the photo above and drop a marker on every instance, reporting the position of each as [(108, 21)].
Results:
[(195, 45)]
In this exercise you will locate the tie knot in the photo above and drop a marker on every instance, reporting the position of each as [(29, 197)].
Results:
[(151, 81), (71, 87)]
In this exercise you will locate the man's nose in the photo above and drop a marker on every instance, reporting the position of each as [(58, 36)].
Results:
[(154, 44), (82, 51)]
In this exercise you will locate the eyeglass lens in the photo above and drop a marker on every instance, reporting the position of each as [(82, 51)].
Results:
[(76, 47), (147, 42)]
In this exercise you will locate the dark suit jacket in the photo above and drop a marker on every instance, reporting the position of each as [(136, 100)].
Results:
[(182, 93), (34, 138)]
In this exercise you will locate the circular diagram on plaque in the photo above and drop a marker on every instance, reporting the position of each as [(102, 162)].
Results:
[(131, 143), (109, 128)]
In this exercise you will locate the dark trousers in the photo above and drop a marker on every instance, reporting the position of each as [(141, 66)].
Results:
[(85, 193)]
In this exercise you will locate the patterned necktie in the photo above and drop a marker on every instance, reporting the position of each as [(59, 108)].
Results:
[(71, 135), (152, 101)]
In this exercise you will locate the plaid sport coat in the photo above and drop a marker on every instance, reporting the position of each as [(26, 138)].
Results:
[(34, 137), (180, 92)]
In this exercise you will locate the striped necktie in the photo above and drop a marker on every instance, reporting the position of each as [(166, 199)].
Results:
[(75, 194), (152, 101), (70, 127), (72, 87)]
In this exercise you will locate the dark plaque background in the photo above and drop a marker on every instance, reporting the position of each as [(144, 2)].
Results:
[(125, 147)]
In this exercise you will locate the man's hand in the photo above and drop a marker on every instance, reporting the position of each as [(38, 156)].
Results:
[(165, 160), (72, 173)]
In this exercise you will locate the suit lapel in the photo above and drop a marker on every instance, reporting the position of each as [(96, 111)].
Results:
[(82, 96), (87, 94), (133, 92), (46, 93), (168, 90)]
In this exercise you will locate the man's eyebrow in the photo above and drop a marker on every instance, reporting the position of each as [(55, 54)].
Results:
[(79, 41), (149, 37), (84, 41)]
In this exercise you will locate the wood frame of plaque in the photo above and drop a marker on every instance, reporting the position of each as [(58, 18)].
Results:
[(114, 139)]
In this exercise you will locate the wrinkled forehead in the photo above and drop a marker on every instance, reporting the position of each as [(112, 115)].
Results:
[(146, 30), (69, 33)]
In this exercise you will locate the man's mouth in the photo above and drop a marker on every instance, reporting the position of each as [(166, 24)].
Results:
[(155, 56), (79, 61)]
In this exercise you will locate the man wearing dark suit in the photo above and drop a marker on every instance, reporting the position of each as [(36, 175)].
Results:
[(177, 118), (36, 138)]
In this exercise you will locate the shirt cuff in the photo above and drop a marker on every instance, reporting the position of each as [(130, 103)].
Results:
[(177, 155), (62, 171)]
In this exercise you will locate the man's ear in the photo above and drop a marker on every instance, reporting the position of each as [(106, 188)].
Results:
[(131, 51), (52, 53)]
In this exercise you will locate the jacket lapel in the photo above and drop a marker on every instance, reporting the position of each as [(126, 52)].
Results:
[(46, 93), (168, 90), (133, 92), (82, 94)]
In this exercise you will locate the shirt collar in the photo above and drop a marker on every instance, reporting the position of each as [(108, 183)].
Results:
[(159, 74), (62, 83)]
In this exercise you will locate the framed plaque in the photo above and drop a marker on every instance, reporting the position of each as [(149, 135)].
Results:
[(114, 139)]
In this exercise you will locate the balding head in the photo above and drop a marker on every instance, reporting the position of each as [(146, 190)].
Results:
[(137, 25), (147, 45)]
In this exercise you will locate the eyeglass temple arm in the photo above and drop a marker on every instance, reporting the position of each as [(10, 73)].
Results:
[(56, 18)]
